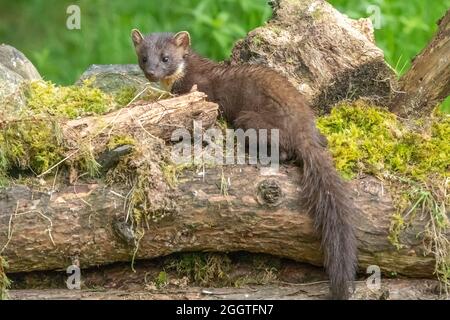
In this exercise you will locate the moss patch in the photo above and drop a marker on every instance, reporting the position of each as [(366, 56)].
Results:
[(366, 139), (219, 269), (412, 158), (120, 140), (69, 102), (31, 139), (125, 95), (4, 281), (203, 269), (29, 145)]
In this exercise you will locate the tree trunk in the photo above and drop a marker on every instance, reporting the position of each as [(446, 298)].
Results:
[(327, 56), (427, 83)]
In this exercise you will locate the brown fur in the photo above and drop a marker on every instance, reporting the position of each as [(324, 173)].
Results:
[(257, 97)]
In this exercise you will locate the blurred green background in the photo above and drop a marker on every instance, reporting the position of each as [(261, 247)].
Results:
[(38, 28)]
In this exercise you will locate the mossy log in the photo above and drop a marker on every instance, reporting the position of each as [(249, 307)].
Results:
[(427, 83), (79, 223), (158, 118), (55, 221), (327, 56)]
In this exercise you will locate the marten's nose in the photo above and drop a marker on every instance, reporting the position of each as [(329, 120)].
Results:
[(151, 73)]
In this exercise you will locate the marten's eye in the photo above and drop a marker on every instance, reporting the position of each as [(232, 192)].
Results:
[(144, 60), (165, 59)]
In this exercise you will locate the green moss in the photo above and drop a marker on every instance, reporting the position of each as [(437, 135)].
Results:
[(161, 280), (203, 268), (70, 102), (409, 157), (29, 145), (125, 95), (365, 139), (5, 283), (120, 140)]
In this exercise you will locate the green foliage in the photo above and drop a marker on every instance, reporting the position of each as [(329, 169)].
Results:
[(61, 55)]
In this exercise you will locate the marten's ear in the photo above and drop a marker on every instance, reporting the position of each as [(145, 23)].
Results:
[(182, 39), (137, 37)]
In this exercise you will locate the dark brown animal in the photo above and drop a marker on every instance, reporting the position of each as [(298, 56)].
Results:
[(257, 97)]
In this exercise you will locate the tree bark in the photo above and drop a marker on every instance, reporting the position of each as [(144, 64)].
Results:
[(427, 83), (327, 56)]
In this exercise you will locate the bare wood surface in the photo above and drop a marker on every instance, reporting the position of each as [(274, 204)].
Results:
[(427, 83)]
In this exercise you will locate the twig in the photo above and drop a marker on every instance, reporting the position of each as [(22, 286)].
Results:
[(10, 230)]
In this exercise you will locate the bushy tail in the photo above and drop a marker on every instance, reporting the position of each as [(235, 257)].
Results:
[(327, 201)]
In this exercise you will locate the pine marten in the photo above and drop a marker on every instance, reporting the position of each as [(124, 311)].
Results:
[(257, 97)]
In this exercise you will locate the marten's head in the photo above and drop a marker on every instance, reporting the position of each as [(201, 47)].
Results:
[(162, 55)]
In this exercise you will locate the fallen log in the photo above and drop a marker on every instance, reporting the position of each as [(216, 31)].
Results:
[(55, 221), (158, 118), (78, 224)]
